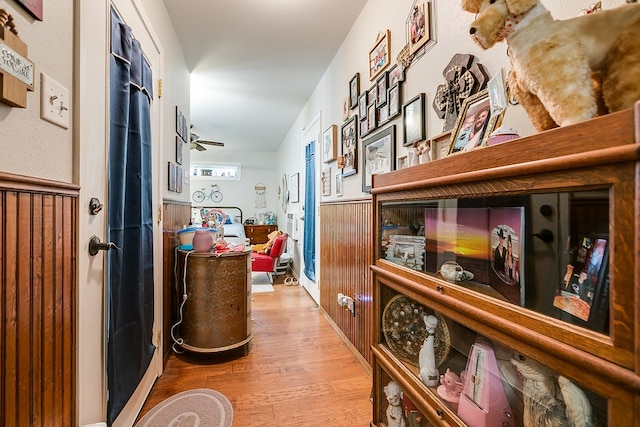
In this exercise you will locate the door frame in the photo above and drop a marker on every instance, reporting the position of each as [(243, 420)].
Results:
[(91, 63)]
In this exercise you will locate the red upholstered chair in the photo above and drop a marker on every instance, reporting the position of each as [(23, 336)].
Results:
[(267, 263)]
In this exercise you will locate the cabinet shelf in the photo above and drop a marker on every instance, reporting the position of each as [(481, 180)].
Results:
[(565, 204)]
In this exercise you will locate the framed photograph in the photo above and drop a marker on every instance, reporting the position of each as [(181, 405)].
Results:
[(413, 120), (506, 226), (179, 178), (379, 55), (497, 93), (179, 144), (362, 105), (364, 126), (396, 75), (349, 146), (393, 100), (372, 95), (381, 89), (325, 180), (584, 290), (339, 184), (379, 155), (34, 7), (406, 250), (440, 145), (294, 188), (418, 26), (330, 144), (182, 129), (474, 123), (354, 91), (403, 162), (171, 176), (383, 114), (372, 117)]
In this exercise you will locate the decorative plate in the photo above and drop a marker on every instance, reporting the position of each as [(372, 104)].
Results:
[(405, 331)]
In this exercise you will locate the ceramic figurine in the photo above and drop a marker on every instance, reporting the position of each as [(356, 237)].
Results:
[(450, 388), (427, 358), (394, 409)]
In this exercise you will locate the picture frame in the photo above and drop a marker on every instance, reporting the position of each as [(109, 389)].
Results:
[(379, 155), (182, 129), (362, 104), (179, 144), (34, 7), (354, 91), (330, 144), (325, 180), (403, 162), (396, 75), (171, 176), (394, 101), (349, 146), (294, 188), (474, 123), (413, 125), (372, 95), (372, 117), (418, 26), (339, 184), (582, 297), (497, 93), (381, 89), (383, 114), (364, 126), (179, 178), (380, 54)]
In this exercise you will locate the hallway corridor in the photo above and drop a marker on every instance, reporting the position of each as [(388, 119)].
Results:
[(298, 372)]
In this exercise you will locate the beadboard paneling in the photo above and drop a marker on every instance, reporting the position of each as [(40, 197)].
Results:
[(174, 216), (345, 256), (38, 223)]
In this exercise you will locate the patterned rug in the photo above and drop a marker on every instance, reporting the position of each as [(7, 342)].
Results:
[(191, 408)]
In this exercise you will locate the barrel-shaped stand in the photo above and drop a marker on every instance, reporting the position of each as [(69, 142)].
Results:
[(217, 310)]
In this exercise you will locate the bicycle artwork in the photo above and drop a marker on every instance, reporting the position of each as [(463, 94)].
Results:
[(215, 195)]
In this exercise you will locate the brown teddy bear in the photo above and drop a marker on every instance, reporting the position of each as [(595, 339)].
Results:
[(265, 248), (558, 66)]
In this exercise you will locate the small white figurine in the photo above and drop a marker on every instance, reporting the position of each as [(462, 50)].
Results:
[(394, 409), (427, 358)]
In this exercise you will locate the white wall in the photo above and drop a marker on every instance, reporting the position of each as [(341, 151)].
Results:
[(256, 167), (424, 75), (29, 145)]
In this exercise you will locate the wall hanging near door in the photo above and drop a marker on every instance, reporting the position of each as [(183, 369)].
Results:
[(261, 199)]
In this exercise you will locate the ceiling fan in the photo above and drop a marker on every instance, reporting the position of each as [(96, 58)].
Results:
[(199, 144)]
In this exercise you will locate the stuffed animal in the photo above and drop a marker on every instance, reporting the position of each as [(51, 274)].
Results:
[(264, 248), (558, 66)]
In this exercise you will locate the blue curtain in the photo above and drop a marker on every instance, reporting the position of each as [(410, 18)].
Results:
[(130, 270), (309, 249)]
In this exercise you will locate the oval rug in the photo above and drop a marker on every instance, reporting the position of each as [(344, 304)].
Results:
[(192, 408)]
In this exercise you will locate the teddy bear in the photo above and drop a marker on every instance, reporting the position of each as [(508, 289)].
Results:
[(265, 248), (563, 71)]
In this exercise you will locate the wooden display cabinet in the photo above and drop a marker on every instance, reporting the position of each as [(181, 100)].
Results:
[(567, 200), (259, 233)]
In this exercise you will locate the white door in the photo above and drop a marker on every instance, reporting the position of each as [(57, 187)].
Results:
[(92, 65)]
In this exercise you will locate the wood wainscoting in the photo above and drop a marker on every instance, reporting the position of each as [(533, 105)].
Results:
[(345, 255), (175, 215), (38, 226)]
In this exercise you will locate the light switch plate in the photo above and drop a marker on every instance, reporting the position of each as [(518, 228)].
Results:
[(54, 101)]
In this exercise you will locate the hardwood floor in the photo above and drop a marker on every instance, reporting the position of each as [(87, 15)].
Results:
[(298, 372)]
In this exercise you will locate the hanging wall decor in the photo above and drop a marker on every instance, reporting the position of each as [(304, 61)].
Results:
[(16, 70), (379, 55), (464, 77)]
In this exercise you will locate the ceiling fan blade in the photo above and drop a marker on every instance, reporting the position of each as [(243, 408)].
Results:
[(197, 146), (216, 143)]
